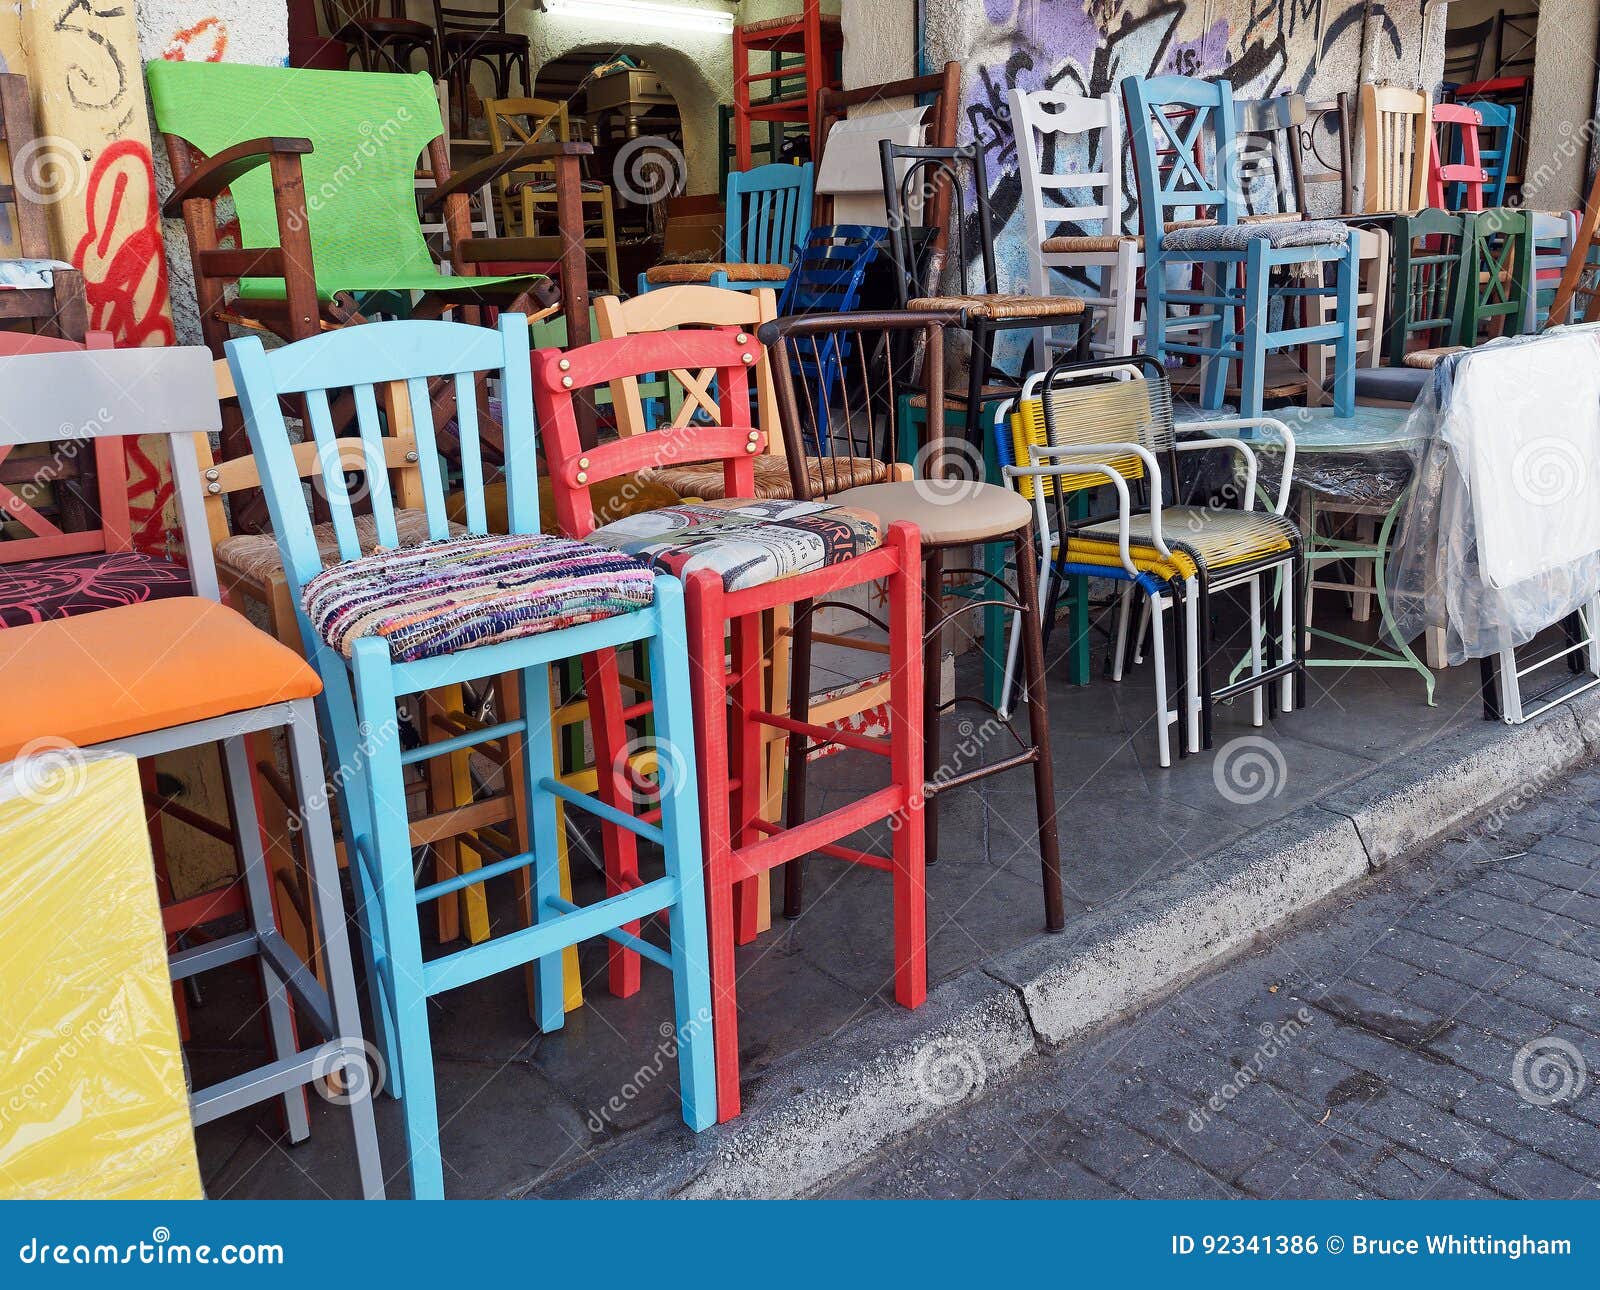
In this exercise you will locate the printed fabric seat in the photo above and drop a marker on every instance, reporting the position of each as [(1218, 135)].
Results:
[(749, 543), (41, 591), (439, 597)]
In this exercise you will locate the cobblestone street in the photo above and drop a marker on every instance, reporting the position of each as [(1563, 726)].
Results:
[(1432, 1033)]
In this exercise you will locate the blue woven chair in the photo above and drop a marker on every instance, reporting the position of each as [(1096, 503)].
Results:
[(461, 607), (1188, 157)]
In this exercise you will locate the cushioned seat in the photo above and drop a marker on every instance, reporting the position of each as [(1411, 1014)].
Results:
[(1001, 306), (38, 591), (701, 271), (255, 555), (137, 668), (827, 474), (1279, 235), (1391, 384), (750, 543), (439, 597), (957, 510)]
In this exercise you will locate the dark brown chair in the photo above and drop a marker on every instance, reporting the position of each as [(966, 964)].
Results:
[(381, 41), (469, 36), (59, 309)]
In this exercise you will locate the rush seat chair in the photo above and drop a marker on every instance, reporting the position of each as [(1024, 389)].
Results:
[(738, 560), (178, 673), (412, 618)]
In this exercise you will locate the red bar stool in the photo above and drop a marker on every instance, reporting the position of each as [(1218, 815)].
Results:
[(739, 559)]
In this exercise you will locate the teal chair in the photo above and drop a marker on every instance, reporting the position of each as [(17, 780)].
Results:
[(768, 218), (404, 620)]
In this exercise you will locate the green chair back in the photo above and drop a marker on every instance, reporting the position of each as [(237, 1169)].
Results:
[(1498, 270), (1429, 251)]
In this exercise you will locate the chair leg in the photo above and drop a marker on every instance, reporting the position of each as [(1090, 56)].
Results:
[(1221, 336), (1197, 637), (1158, 647), (1044, 789), (908, 772), (305, 760), (1289, 646), (746, 744), (1125, 293), (391, 855), (1119, 647), (1253, 341), (1344, 354), (1257, 699), (544, 834), (933, 691), (603, 685), (258, 896), (799, 710)]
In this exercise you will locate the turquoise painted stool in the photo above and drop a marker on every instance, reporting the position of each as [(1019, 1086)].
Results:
[(460, 609)]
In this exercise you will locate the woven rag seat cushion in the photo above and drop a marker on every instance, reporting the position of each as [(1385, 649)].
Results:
[(701, 271), (255, 556), (947, 511), (439, 597), (139, 668), (549, 185), (1428, 359), (998, 307), (749, 543), (827, 474), (1280, 234), (37, 591), (1200, 538)]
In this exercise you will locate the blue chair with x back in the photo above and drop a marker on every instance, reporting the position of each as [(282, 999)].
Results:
[(464, 606)]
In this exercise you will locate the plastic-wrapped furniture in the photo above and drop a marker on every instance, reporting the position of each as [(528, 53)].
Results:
[(416, 616), (179, 673)]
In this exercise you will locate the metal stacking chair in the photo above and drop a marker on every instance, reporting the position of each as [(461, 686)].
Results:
[(1186, 148), (164, 675), (412, 618), (1088, 424)]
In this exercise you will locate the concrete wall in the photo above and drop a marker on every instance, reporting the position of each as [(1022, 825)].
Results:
[(1561, 130)]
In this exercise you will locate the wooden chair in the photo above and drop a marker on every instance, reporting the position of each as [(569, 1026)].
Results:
[(1577, 296), (1464, 48), (471, 36), (56, 305), (528, 196), (1323, 145), (1455, 136), (818, 38), (380, 37), (1429, 249), (1269, 133), (1555, 234), (768, 217), (1396, 136), (1497, 133)]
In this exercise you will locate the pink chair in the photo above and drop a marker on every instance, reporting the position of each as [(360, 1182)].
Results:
[(1469, 171)]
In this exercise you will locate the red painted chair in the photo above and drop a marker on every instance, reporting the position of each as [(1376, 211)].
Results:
[(1469, 172), (739, 560)]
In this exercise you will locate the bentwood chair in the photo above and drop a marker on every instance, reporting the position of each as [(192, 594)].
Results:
[(468, 36), (409, 618), (1185, 146), (738, 560), (953, 511), (1091, 421), (160, 676)]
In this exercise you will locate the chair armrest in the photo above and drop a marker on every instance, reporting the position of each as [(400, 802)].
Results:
[(502, 163), (1152, 467), (214, 174), (1239, 445), (1047, 540)]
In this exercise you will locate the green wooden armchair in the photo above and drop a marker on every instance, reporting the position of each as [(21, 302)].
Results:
[(320, 166)]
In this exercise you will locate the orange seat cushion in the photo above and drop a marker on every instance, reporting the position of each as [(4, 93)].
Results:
[(139, 668)]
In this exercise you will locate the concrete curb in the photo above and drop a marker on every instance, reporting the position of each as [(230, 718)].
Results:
[(813, 1115)]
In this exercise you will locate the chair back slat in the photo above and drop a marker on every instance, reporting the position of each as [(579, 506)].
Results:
[(375, 464), (1184, 135), (1069, 155), (420, 402), (471, 451), (334, 479)]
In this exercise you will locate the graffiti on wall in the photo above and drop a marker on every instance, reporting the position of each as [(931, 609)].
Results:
[(1087, 47)]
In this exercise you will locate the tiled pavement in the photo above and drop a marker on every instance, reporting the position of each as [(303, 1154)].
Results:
[(1435, 1032)]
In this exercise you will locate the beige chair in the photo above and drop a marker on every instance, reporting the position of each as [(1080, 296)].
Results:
[(1396, 133)]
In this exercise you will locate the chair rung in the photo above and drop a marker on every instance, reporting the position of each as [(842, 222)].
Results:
[(833, 850), (471, 877), (598, 808), (627, 940), (443, 747), (815, 834), (824, 735)]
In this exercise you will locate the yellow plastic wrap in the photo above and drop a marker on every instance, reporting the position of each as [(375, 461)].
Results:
[(92, 1098)]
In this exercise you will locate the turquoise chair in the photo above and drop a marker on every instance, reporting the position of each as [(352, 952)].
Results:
[(1187, 155), (768, 217), (511, 603), (1497, 133)]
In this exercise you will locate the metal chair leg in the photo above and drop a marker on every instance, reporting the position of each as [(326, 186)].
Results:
[(1044, 792)]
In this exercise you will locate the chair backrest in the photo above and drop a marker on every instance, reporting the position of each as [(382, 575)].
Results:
[(367, 130), (1323, 144), (1269, 154), (524, 120), (1516, 42), (1183, 132), (1455, 135), (362, 362), (77, 523), (672, 309), (559, 377), (1428, 252), (19, 134), (1464, 48), (831, 268), (57, 391), (1497, 133), (1069, 154), (1396, 134), (769, 213), (1498, 270), (910, 175), (452, 18)]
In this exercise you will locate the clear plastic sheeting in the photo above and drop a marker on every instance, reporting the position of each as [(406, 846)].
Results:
[(1366, 459), (1500, 538), (92, 1096)]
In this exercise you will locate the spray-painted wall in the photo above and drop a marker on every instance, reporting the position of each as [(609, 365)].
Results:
[(1316, 47)]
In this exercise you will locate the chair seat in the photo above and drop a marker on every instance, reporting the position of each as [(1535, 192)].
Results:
[(1111, 241), (749, 543), (138, 668), (948, 512), (1212, 539), (827, 474), (1428, 359), (1001, 306), (1280, 235), (701, 271), (549, 185), (40, 591), (1390, 384), (256, 558), (439, 597)]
